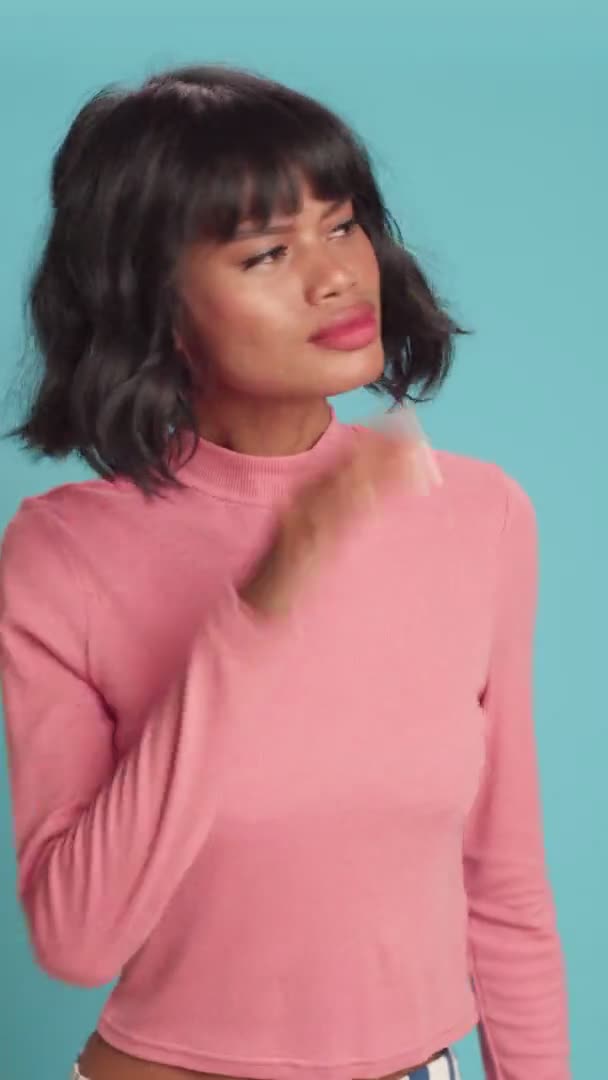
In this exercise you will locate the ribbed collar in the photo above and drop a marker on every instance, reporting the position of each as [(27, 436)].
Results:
[(258, 478)]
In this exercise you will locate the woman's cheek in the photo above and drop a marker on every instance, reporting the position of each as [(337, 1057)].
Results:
[(263, 320)]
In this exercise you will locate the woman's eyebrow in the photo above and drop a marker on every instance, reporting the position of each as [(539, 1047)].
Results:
[(246, 231)]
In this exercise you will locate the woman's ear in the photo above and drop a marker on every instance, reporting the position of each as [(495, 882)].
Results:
[(178, 341), (179, 326), (183, 341), (189, 355), (185, 337)]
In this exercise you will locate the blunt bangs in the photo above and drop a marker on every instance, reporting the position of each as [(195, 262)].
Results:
[(250, 158)]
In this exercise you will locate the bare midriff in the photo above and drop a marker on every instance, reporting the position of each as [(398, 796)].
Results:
[(100, 1061)]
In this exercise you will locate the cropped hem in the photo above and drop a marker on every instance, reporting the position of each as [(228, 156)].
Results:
[(281, 1069)]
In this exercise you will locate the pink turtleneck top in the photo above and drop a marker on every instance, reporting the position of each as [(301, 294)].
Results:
[(304, 847)]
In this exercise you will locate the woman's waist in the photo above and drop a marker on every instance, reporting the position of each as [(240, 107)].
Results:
[(99, 1060)]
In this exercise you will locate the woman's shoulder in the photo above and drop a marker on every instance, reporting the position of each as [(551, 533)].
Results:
[(56, 527), (472, 478), (42, 515)]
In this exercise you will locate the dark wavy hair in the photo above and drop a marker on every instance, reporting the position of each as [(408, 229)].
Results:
[(142, 173)]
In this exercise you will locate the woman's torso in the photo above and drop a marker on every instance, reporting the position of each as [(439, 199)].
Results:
[(186, 987)]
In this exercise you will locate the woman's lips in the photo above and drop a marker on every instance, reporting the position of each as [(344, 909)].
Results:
[(355, 335)]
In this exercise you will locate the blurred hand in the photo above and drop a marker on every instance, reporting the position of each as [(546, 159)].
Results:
[(324, 510)]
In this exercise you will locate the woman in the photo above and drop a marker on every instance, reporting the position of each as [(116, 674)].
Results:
[(268, 711)]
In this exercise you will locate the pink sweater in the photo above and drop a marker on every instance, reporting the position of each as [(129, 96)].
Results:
[(310, 847)]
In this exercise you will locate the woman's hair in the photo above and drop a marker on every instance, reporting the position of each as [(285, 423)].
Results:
[(142, 173)]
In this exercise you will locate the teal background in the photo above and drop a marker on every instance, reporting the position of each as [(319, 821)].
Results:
[(487, 125)]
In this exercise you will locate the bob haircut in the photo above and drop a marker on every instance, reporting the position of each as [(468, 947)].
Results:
[(140, 174)]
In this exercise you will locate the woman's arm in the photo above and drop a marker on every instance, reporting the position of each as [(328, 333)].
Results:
[(102, 845), (516, 956)]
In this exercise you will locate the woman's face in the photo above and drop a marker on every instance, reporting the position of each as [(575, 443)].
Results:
[(250, 305)]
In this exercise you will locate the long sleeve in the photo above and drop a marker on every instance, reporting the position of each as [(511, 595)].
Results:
[(516, 958), (103, 844)]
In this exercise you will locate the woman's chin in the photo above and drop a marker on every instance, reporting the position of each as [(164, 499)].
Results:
[(342, 371)]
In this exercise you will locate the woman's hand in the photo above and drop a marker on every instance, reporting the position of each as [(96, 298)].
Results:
[(322, 511)]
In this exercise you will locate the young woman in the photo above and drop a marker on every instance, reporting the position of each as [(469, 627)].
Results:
[(268, 710)]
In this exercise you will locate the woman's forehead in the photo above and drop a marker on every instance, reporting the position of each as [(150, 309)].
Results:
[(250, 226), (292, 192)]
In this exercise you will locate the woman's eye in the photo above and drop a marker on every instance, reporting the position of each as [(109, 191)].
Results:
[(256, 260), (349, 224)]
